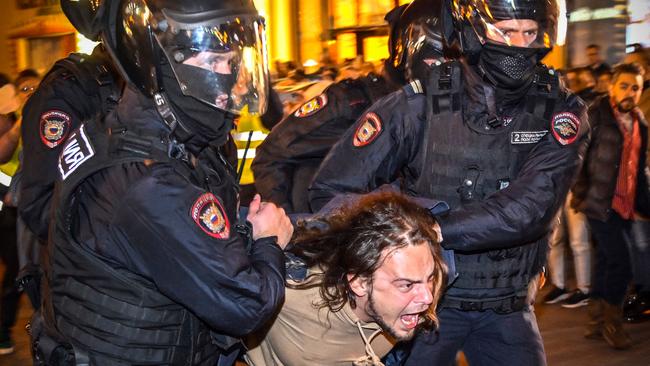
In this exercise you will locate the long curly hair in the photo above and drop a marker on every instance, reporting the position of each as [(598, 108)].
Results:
[(353, 240)]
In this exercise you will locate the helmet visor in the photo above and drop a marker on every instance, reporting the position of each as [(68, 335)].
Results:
[(222, 62), (519, 23)]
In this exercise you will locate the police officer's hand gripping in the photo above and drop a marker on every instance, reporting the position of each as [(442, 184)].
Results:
[(149, 262), (498, 138)]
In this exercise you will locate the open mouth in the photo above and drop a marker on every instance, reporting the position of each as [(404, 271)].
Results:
[(410, 321)]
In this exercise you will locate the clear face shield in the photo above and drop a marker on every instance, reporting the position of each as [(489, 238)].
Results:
[(538, 24), (222, 61)]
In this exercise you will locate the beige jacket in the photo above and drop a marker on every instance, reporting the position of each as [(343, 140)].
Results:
[(302, 334)]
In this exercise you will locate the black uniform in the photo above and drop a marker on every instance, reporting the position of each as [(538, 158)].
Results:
[(148, 263), (76, 89), (504, 179), (286, 161)]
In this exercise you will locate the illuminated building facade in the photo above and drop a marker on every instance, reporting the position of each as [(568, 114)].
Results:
[(35, 32)]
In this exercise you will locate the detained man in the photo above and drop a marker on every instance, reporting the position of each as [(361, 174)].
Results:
[(375, 277)]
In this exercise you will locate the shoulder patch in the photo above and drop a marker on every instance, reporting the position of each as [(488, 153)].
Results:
[(54, 128), (565, 127), (76, 151), (368, 130), (207, 212), (312, 106)]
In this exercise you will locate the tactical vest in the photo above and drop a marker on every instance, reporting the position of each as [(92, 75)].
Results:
[(465, 159), (95, 92), (108, 315)]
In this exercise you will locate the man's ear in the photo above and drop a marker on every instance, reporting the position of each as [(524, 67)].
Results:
[(358, 285)]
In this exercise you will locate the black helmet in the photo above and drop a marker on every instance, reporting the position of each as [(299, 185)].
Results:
[(478, 22), (85, 16), (394, 72), (416, 35), (216, 50)]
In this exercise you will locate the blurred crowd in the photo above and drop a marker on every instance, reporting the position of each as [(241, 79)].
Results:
[(14, 92), (605, 253)]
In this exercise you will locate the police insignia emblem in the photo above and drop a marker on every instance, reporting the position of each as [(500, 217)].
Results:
[(368, 131), (312, 106), (565, 127), (209, 215), (54, 128)]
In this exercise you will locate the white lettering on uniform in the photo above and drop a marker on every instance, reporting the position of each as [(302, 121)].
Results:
[(75, 153)]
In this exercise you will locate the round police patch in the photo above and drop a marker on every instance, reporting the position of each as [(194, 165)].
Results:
[(54, 128), (565, 127), (209, 215), (312, 106), (367, 131)]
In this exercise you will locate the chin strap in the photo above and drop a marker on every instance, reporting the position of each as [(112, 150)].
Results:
[(179, 131)]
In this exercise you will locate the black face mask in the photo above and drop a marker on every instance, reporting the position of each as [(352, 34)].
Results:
[(207, 124), (207, 85), (507, 66)]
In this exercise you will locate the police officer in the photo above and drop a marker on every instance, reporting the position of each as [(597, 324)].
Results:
[(75, 89), (148, 262), (500, 140), (288, 158)]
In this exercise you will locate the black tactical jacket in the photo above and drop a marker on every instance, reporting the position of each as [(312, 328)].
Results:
[(288, 158), (152, 247), (503, 178)]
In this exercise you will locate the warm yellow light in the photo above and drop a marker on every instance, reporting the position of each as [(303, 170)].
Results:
[(375, 48), (345, 14), (281, 30), (561, 23), (84, 45), (346, 46)]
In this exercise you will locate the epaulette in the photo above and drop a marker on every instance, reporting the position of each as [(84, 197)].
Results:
[(413, 88)]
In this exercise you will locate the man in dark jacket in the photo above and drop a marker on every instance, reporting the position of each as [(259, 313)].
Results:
[(500, 140), (611, 187), (148, 261), (288, 158)]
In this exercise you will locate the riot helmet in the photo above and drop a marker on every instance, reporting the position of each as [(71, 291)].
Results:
[(213, 51), (506, 38), (86, 16), (420, 40)]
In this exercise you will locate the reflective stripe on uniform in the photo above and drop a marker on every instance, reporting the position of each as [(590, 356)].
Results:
[(249, 155), (5, 179), (417, 86), (243, 136)]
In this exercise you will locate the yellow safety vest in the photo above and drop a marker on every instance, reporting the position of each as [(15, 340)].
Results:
[(249, 126), (8, 169)]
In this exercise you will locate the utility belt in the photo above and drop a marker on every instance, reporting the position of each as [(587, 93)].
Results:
[(502, 306)]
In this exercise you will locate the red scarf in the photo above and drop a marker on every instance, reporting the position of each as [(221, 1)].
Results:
[(623, 201)]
